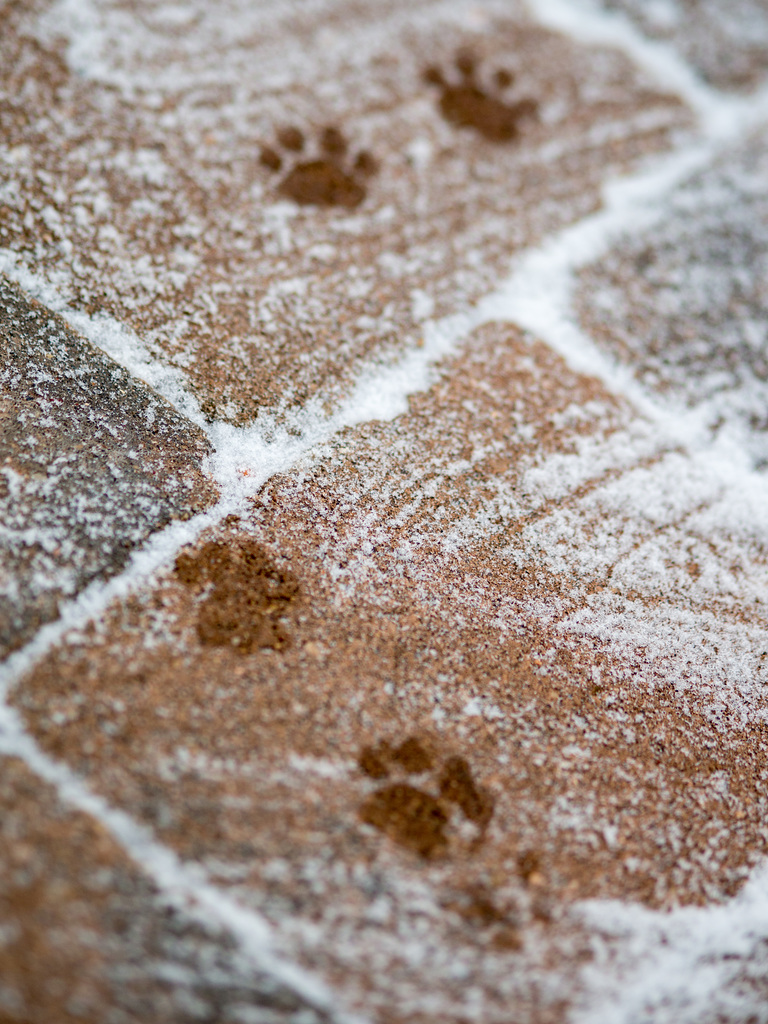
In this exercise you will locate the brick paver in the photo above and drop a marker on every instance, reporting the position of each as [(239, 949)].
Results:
[(91, 462)]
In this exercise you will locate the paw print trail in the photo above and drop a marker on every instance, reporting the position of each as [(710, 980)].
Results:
[(277, 214), (433, 730), (427, 580), (325, 181)]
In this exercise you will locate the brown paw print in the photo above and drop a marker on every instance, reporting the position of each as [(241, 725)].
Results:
[(333, 178), (244, 595), (465, 104), (414, 817)]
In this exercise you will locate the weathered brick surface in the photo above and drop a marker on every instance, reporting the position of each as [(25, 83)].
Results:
[(91, 462), (428, 578), (445, 677), (152, 181), (86, 937)]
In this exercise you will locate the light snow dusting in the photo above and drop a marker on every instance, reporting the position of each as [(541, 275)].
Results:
[(693, 485)]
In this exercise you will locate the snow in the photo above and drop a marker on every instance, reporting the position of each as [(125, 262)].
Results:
[(676, 966), (682, 967)]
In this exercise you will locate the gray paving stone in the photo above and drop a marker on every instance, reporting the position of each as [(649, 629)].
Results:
[(726, 43), (92, 461)]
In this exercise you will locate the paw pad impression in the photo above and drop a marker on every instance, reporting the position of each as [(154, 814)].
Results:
[(466, 104), (412, 816), (332, 178), (244, 594)]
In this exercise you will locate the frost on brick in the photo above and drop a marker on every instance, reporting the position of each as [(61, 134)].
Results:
[(685, 303), (262, 214), (91, 462), (524, 671), (107, 946), (727, 43)]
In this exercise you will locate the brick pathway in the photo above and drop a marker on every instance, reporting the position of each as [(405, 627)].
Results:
[(383, 589)]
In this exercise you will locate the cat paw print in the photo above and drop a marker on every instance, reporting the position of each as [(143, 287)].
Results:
[(244, 596), (333, 177), (419, 817), (465, 103)]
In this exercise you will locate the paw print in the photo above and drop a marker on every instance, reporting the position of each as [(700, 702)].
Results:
[(465, 104), (244, 595), (412, 816), (333, 178)]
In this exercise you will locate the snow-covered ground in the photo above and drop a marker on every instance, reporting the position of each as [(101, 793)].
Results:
[(655, 511)]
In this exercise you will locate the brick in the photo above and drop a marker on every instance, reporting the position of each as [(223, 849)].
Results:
[(86, 937), (92, 462)]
